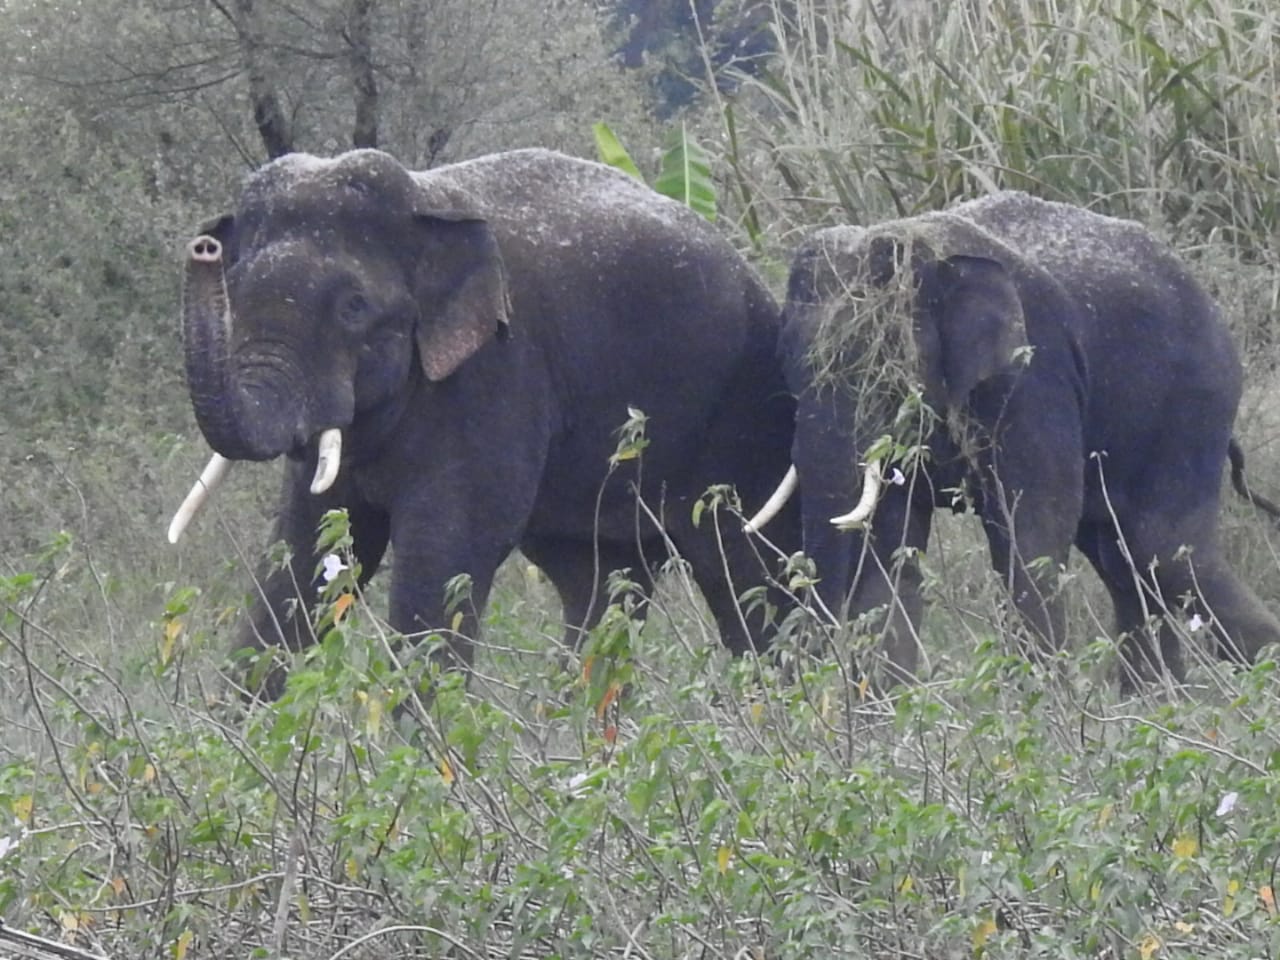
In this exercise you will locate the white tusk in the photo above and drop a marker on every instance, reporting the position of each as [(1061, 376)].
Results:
[(209, 479), (775, 502), (860, 514), (328, 460)]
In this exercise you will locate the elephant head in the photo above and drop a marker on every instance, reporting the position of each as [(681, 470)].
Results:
[(314, 305), (871, 317)]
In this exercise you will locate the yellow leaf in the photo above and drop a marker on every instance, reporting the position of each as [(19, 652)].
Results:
[(118, 885), (22, 807), (1148, 946), (587, 662), (982, 933), (757, 712), (351, 869), (172, 630), (1095, 891), (1185, 847), (148, 773), (342, 605), (182, 944), (723, 856), (1183, 927), (457, 622), (824, 705), (626, 453), (863, 686), (446, 771), (907, 884), (1268, 896), (94, 788), (68, 921), (373, 722), (1105, 814)]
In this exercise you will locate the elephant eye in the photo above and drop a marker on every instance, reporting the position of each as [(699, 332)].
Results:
[(353, 311)]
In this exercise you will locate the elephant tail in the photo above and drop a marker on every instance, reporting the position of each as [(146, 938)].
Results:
[(1236, 456)]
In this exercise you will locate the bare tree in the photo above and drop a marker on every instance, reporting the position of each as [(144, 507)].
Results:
[(268, 117), (364, 81)]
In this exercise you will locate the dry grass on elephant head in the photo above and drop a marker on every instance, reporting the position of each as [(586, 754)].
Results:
[(862, 285)]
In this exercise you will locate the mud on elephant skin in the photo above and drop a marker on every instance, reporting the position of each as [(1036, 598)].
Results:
[(449, 355), (1084, 389)]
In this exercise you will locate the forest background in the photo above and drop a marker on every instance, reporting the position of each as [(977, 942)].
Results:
[(714, 810)]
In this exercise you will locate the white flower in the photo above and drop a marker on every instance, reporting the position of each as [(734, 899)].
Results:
[(333, 566), (897, 478), (1195, 623), (1227, 804), (7, 844)]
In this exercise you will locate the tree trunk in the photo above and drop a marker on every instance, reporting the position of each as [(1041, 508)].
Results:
[(364, 82), (267, 114)]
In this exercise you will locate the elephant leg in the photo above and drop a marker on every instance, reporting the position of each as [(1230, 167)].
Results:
[(580, 572), (279, 615), (1240, 620), (1139, 621), (1175, 543), (1030, 524), (423, 603), (1241, 624), (725, 564)]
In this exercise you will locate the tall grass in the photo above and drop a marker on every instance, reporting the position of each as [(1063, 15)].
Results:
[(1161, 111)]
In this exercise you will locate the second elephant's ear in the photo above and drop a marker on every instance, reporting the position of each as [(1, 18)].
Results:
[(463, 294), (969, 322)]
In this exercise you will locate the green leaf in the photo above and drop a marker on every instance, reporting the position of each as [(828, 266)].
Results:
[(686, 175), (612, 152)]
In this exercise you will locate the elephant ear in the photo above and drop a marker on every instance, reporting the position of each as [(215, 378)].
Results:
[(462, 291), (969, 321)]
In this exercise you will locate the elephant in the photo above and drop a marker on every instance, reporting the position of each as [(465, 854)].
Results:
[(450, 354), (1057, 370)]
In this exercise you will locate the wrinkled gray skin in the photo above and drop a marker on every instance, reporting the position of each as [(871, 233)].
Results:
[(1112, 437), (478, 332)]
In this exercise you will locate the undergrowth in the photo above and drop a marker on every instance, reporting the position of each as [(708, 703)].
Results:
[(648, 796)]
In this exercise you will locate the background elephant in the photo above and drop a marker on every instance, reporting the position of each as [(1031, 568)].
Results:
[(449, 355), (1085, 390)]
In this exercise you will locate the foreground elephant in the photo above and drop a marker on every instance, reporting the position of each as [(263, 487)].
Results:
[(449, 355), (1084, 389)]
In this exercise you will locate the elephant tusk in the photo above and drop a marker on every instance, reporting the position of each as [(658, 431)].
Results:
[(210, 477), (860, 514), (776, 501), (328, 460)]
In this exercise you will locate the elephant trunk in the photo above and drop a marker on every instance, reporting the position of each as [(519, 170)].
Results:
[(206, 329)]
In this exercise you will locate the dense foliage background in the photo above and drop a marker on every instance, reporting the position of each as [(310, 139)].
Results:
[(646, 798)]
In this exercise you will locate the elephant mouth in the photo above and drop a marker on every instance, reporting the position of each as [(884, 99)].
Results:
[(328, 461)]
